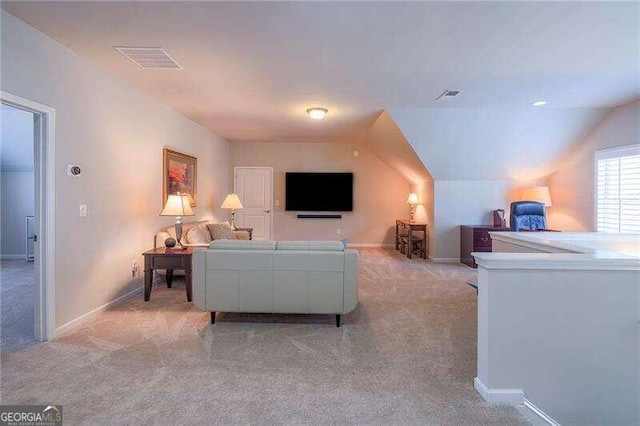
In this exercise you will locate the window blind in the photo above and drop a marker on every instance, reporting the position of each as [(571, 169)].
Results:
[(618, 190)]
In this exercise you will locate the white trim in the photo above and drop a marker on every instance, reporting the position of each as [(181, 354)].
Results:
[(45, 249), (12, 256), (369, 245), (498, 396), (544, 416), (621, 151), (444, 259), (82, 319)]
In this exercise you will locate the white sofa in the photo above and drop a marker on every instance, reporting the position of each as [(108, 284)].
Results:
[(161, 236), (291, 277)]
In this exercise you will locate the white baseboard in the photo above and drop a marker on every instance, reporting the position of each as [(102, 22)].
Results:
[(63, 329), (365, 245), (499, 396), (12, 256), (444, 259), (544, 416)]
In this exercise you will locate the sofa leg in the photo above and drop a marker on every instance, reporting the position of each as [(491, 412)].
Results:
[(213, 317), (337, 320)]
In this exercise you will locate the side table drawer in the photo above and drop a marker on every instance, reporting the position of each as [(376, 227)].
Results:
[(481, 240), (169, 262)]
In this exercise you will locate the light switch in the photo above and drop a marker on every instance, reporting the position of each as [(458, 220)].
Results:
[(83, 210), (277, 203)]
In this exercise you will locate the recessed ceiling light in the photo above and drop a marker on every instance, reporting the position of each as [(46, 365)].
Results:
[(317, 113), (539, 103)]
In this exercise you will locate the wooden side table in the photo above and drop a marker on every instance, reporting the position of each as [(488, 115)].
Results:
[(169, 259), (476, 238), (411, 227)]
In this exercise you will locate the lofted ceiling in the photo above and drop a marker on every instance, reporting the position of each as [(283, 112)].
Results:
[(250, 69)]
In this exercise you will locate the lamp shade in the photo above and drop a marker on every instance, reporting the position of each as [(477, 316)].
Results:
[(540, 194), (231, 202), (177, 205), (413, 198)]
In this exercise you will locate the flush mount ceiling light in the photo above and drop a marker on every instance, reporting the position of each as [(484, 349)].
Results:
[(317, 113), (539, 103)]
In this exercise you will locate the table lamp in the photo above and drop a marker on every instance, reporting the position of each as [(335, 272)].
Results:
[(178, 205), (232, 202), (536, 193), (413, 200)]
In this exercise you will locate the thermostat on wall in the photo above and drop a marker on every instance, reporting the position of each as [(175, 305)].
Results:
[(73, 170)]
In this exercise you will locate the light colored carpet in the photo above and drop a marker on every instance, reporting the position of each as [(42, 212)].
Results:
[(16, 304), (407, 354)]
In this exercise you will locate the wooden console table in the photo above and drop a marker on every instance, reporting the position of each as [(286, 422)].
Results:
[(410, 227), (475, 238), (169, 259)]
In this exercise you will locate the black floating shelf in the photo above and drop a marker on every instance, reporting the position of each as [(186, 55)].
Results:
[(319, 216)]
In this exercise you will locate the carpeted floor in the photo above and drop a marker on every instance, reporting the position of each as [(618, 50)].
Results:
[(407, 354), (16, 304)]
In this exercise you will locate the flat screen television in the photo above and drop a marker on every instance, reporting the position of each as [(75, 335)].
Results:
[(319, 192)]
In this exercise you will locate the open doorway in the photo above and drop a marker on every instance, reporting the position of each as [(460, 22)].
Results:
[(27, 250), (17, 217)]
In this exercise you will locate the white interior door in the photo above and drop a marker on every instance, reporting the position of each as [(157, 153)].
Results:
[(254, 186)]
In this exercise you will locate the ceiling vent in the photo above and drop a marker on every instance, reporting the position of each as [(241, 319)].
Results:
[(448, 95), (149, 57)]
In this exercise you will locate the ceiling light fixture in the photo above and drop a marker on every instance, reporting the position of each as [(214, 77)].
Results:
[(317, 113), (539, 103)]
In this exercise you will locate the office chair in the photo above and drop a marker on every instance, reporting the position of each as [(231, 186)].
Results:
[(528, 216)]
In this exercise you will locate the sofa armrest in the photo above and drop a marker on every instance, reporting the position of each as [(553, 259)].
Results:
[(350, 280)]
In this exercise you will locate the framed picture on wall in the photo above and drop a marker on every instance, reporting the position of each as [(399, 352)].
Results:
[(180, 174)]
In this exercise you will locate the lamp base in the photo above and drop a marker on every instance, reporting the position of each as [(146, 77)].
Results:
[(178, 227)]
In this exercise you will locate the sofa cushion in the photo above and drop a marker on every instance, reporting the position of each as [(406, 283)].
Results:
[(242, 245), (221, 231), (311, 245), (197, 236), (171, 230)]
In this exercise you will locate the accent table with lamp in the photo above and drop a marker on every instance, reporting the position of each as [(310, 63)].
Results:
[(170, 257), (410, 226)]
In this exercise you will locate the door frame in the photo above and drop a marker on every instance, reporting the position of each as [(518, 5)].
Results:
[(235, 179), (44, 174)]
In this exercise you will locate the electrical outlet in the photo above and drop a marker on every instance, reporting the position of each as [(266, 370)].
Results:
[(134, 268), (339, 231), (82, 211)]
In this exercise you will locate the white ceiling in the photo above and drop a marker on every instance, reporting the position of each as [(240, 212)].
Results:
[(250, 69)]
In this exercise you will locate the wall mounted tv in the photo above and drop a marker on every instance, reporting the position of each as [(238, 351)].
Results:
[(319, 192)]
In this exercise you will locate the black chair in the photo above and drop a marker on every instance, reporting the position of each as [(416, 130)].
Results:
[(528, 216)]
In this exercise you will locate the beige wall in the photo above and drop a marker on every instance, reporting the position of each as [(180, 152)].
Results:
[(116, 133), (572, 185), (379, 192), (387, 142)]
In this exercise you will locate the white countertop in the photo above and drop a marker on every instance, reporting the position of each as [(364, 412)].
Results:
[(567, 250)]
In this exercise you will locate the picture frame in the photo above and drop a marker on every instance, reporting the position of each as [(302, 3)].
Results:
[(179, 174)]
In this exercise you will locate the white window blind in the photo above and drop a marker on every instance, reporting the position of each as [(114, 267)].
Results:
[(618, 190)]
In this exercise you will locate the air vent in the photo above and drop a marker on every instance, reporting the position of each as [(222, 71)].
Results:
[(149, 57), (448, 95)]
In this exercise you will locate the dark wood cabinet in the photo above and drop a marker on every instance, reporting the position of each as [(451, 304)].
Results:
[(475, 238)]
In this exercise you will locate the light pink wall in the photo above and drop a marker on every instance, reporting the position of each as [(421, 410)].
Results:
[(379, 198), (572, 185)]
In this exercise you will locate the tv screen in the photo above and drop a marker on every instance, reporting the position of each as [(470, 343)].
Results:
[(319, 192)]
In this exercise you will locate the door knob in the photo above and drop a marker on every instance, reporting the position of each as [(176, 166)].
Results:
[(267, 211)]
